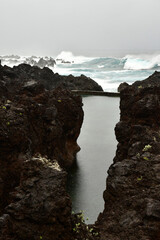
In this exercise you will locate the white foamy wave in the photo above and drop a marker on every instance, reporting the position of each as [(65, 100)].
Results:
[(68, 57), (61, 71), (109, 72), (100, 66), (141, 62)]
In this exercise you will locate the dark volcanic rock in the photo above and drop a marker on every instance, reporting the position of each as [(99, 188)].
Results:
[(48, 123), (122, 86), (42, 62), (40, 207), (38, 133), (132, 195), (47, 78)]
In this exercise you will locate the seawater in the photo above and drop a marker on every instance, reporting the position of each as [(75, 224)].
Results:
[(87, 179), (107, 71)]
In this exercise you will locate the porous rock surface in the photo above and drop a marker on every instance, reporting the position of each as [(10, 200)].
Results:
[(38, 133), (132, 195), (49, 79)]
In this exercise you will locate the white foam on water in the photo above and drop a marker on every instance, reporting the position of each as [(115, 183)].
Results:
[(109, 72), (61, 71), (100, 66), (140, 62), (69, 57)]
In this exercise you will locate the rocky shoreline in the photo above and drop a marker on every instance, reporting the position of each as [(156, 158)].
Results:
[(45, 76), (39, 126)]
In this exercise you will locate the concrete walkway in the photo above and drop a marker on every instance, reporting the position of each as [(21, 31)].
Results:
[(97, 93)]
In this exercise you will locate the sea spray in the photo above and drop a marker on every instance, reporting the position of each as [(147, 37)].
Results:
[(109, 72)]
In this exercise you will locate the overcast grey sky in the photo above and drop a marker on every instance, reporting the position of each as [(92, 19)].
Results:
[(88, 27)]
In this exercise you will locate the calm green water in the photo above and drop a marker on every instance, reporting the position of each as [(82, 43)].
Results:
[(87, 179)]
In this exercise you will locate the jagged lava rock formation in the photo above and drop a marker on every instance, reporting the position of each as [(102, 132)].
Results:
[(49, 79), (38, 133), (132, 195), (33, 60)]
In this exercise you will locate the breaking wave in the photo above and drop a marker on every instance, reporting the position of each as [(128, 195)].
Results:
[(109, 72), (142, 62)]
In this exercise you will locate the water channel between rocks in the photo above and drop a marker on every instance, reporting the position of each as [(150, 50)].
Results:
[(87, 179)]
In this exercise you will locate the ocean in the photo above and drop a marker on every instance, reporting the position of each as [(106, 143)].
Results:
[(109, 72)]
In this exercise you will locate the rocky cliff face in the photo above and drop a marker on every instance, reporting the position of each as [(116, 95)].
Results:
[(39, 207), (38, 133), (132, 195)]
